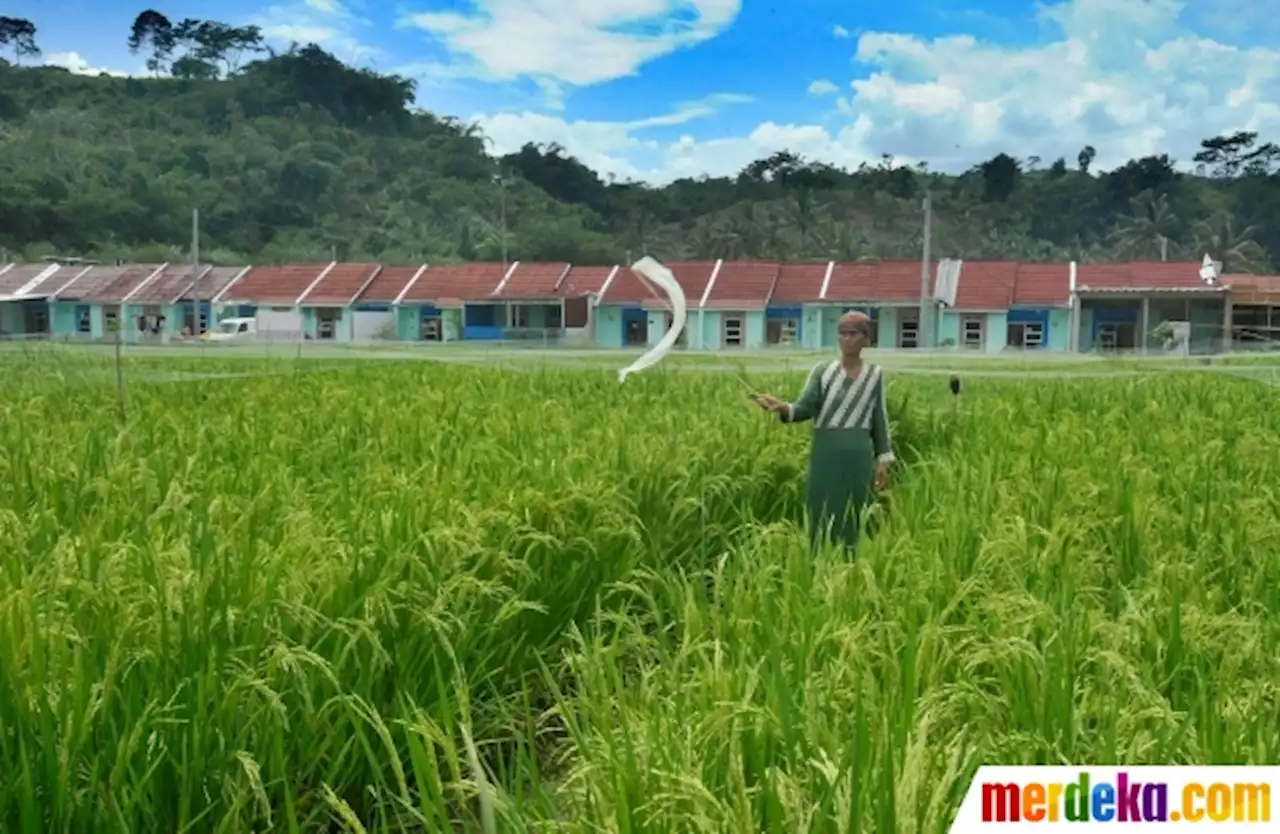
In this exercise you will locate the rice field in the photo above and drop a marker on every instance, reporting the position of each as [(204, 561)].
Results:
[(426, 597)]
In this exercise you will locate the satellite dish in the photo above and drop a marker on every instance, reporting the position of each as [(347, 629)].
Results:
[(1209, 269)]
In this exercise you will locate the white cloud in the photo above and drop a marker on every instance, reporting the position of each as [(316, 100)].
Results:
[(822, 87), (1125, 76), (841, 32), (575, 42), (329, 24), (73, 62)]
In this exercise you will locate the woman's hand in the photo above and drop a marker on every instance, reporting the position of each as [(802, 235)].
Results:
[(769, 403)]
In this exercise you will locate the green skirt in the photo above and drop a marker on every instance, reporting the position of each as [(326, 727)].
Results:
[(841, 476)]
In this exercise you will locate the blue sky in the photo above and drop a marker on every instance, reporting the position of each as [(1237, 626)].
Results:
[(656, 89)]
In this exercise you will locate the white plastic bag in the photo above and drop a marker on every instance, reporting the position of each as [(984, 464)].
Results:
[(655, 273)]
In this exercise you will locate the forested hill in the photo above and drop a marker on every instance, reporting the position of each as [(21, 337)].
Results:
[(295, 156)]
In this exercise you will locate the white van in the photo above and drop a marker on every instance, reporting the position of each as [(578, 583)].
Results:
[(233, 330)]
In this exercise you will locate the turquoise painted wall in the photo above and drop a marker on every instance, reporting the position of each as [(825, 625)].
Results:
[(537, 316), (409, 323), (341, 327), (1086, 329), (10, 318), (811, 327), (887, 328), (62, 319), (712, 332), (608, 326), (995, 336), (755, 329), (175, 318), (828, 320), (949, 329), (702, 330), (1059, 330), (657, 327), (706, 329)]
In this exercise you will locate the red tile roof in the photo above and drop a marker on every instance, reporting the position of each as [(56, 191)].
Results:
[(692, 276), (1250, 289), (899, 281), (273, 285), (1042, 285), (532, 281), (19, 275), (984, 285), (852, 282), (173, 285), (799, 282), (456, 283), (628, 289), (169, 285), (211, 283), (581, 280), (106, 284), (1141, 275), (54, 284), (388, 284), (743, 285), (340, 285)]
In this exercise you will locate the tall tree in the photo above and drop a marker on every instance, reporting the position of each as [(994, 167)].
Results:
[(217, 43), (1146, 233), (1000, 175), (1229, 156), (156, 33), (1085, 158), (20, 36)]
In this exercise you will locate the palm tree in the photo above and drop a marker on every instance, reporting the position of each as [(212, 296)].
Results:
[(1145, 232), (1238, 252)]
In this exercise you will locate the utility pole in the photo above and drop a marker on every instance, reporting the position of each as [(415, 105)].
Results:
[(925, 338), (502, 217), (195, 272)]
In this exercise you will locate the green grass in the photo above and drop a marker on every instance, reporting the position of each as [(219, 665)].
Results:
[(287, 602)]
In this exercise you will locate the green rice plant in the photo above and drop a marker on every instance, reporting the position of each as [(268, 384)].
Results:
[(426, 597)]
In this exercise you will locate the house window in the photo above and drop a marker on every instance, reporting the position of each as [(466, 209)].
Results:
[(1106, 339), (111, 319), (908, 332), (430, 330), (733, 331), (1026, 335), (83, 322), (781, 331), (37, 319), (971, 331), (327, 323)]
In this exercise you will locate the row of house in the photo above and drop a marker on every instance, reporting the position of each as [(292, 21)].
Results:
[(982, 305)]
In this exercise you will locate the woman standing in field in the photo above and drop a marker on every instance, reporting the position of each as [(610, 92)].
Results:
[(851, 451)]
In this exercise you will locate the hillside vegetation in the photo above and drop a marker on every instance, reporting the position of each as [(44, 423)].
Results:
[(294, 156)]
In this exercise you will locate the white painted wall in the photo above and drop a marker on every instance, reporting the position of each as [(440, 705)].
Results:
[(368, 325), (279, 324)]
